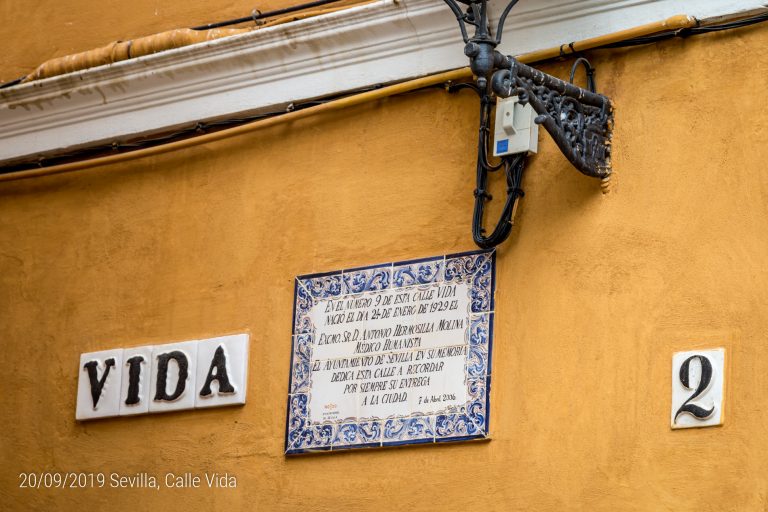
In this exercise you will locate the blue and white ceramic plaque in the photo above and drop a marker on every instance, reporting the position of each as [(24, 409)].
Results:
[(392, 354)]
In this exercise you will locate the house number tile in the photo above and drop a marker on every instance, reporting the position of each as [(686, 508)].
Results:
[(698, 378)]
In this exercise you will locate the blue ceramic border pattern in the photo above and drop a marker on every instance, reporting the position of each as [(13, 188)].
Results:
[(469, 421)]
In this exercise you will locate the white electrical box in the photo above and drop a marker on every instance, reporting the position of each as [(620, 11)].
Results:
[(514, 131)]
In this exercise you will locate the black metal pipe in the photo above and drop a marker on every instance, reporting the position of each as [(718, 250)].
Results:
[(258, 15)]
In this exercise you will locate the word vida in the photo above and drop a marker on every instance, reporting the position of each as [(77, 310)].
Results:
[(187, 375)]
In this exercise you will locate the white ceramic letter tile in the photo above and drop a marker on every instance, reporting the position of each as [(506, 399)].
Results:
[(92, 381), (698, 377), (234, 350), (141, 359), (167, 400)]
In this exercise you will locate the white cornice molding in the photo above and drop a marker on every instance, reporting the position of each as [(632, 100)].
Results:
[(263, 70)]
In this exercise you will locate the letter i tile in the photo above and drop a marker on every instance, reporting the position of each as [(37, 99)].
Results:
[(136, 374)]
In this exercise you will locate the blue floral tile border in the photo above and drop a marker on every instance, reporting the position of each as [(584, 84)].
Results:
[(465, 421)]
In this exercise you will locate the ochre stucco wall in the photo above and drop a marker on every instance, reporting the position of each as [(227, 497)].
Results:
[(594, 294)]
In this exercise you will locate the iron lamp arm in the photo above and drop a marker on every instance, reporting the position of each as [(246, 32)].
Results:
[(459, 17), (503, 19), (579, 120)]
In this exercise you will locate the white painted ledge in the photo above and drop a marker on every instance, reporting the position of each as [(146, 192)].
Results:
[(382, 42)]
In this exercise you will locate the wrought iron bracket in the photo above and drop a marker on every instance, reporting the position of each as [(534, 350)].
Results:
[(579, 120)]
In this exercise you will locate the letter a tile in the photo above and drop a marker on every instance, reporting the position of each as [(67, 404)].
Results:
[(222, 371)]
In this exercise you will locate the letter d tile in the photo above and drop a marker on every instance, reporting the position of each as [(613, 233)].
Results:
[(172, 386)]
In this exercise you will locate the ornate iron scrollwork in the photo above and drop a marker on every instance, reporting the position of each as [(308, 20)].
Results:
[(578, 120)]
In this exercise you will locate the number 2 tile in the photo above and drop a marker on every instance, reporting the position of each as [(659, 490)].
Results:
[(698, 378)]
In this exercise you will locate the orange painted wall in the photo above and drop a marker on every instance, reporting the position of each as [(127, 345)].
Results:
[(595, 293)]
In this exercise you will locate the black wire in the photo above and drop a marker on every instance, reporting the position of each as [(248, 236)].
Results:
[(465, 85), (513, 165), (258, 15), (255, 15), (731, 24), (12, 82), (686, 32), (126, 147), (589, 70)]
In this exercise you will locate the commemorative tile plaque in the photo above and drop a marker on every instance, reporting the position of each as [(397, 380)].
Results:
[(391, 354)]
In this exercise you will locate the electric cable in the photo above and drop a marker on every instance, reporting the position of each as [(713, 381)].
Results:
[(196, 129), (258, 15), (13, 82), (687, 32), (588, 69), (145, 143), (513, 166)]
